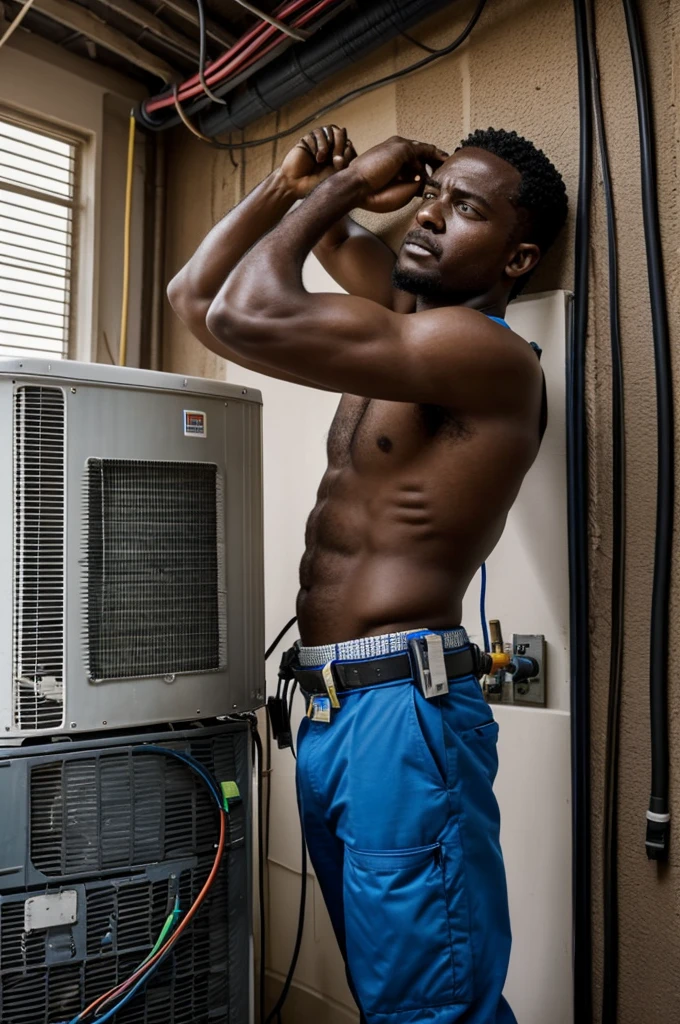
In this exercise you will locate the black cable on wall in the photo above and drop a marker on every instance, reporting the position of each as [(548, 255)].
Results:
[(577, 513), (658, 815), (610, 872)]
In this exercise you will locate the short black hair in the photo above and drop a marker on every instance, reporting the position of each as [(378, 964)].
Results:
[(541, 191)]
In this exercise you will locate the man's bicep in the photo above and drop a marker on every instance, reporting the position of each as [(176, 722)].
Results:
[(195, 321), (453, 357), (352, 345)]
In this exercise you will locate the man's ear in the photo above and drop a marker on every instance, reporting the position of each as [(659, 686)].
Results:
[(524, 259)]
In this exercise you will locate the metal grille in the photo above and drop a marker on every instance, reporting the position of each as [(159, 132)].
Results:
[(155, 576), (48, 976), (39, 553), (90, 814), (37, 205)]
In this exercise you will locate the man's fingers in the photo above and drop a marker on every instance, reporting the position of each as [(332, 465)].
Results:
[(349, 154), (429, 154), (305, 144), (339, 144), (321, 145)]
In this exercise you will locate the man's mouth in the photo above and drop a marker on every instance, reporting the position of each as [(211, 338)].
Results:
[(419, 245)]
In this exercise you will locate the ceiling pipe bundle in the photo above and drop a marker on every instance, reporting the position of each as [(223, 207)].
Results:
[(352, 35)]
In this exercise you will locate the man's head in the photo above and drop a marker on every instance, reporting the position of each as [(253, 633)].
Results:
[(486, 217)]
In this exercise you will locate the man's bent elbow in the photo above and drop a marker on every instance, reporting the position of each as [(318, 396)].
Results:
[(189, 307), (176, 290), (226, 324), (182, 302)]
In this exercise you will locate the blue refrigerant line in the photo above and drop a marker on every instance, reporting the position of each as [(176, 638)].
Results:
[(200, 770), (482, 610)]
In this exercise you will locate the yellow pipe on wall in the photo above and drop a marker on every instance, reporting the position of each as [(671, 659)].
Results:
[(122, 347)]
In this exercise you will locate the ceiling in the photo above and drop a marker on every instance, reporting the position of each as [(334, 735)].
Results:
[(138, 37)]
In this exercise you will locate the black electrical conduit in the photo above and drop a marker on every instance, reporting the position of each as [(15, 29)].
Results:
[(658, 816), (577, 513), (610, 873), (350, 37)]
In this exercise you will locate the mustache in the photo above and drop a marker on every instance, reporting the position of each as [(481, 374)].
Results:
[(426, 240)]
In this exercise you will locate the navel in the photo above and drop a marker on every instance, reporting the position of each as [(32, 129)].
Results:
[(384, 444)]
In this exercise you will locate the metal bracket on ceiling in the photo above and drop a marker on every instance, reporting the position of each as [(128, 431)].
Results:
[(295, 33)]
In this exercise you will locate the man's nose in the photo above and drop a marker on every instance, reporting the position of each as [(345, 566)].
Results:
[(429, 217)]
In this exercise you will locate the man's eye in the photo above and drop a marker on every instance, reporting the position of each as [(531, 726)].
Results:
[(468, 210), (429, 195)]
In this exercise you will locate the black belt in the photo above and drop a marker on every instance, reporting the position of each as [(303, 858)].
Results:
[(375, 672)]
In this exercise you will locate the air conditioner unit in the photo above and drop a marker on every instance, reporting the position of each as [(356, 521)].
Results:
[(131, 548), (102, 843)]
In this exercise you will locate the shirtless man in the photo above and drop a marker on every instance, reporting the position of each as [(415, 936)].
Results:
[(440, 419)]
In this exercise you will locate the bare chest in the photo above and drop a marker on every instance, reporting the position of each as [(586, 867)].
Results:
[(369, 433)]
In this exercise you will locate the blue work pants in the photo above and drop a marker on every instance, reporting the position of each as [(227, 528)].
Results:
[(402, 828)]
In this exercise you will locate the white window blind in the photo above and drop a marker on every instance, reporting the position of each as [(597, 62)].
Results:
[(37, 205)]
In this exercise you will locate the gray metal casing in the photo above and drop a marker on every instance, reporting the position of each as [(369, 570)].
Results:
[(65, 946), (122, 413)]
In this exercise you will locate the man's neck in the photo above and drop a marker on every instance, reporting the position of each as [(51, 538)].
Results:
[(492, 305)]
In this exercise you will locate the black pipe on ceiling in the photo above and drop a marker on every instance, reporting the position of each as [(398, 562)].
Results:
[(350, 37)]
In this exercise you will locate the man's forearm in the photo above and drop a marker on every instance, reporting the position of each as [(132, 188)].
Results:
[(231, 238), (271, 272)]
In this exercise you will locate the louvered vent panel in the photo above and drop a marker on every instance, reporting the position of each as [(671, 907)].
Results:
[(155, 576), (122, 920), (39, 552), (100, 814)]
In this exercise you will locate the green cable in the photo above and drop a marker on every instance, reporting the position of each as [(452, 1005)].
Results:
[(169, 924)]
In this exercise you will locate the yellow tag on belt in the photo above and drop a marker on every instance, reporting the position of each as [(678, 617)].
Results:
[(329, 683)]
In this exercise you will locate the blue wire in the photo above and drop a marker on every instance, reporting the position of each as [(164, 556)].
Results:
[(482, 610), (128, 996), (191, 762), (198, 769)]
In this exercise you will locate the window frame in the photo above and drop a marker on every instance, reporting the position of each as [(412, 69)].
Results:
[(79, 142)]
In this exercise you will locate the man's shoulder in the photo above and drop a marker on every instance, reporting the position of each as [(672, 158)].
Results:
[(485, 336), (486, 365)]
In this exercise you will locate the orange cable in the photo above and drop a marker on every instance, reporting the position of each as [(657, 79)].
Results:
[(120, 989)]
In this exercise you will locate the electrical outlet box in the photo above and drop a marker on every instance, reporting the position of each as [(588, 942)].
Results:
[(530, 691)]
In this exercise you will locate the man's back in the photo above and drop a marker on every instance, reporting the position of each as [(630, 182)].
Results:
[(414, 499)]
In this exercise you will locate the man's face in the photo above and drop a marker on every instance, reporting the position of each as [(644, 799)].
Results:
[(465, 231)]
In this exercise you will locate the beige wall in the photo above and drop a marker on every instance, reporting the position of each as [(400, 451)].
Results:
[(519, 71)]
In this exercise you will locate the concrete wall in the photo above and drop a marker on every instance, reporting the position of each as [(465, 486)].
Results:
[(518, 70)]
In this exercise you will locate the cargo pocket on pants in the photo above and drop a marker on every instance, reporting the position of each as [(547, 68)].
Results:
[(482, 746), (399, 949)]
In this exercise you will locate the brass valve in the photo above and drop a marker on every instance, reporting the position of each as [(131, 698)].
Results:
[(500, 659)]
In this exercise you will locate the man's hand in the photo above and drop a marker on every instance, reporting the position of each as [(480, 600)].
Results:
[(315, 157), (394, 172)]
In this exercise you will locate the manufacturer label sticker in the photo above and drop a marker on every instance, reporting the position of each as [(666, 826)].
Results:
[(195, 423)]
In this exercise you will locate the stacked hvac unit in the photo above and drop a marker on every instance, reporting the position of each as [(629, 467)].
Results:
[(131, 613)]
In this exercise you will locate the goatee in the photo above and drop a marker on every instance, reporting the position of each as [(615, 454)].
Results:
[(427, 286)]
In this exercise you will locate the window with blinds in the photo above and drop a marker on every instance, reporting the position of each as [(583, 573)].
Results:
[(37, 206)]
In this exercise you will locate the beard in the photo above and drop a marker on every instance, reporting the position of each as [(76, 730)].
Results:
[(425, 285)]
